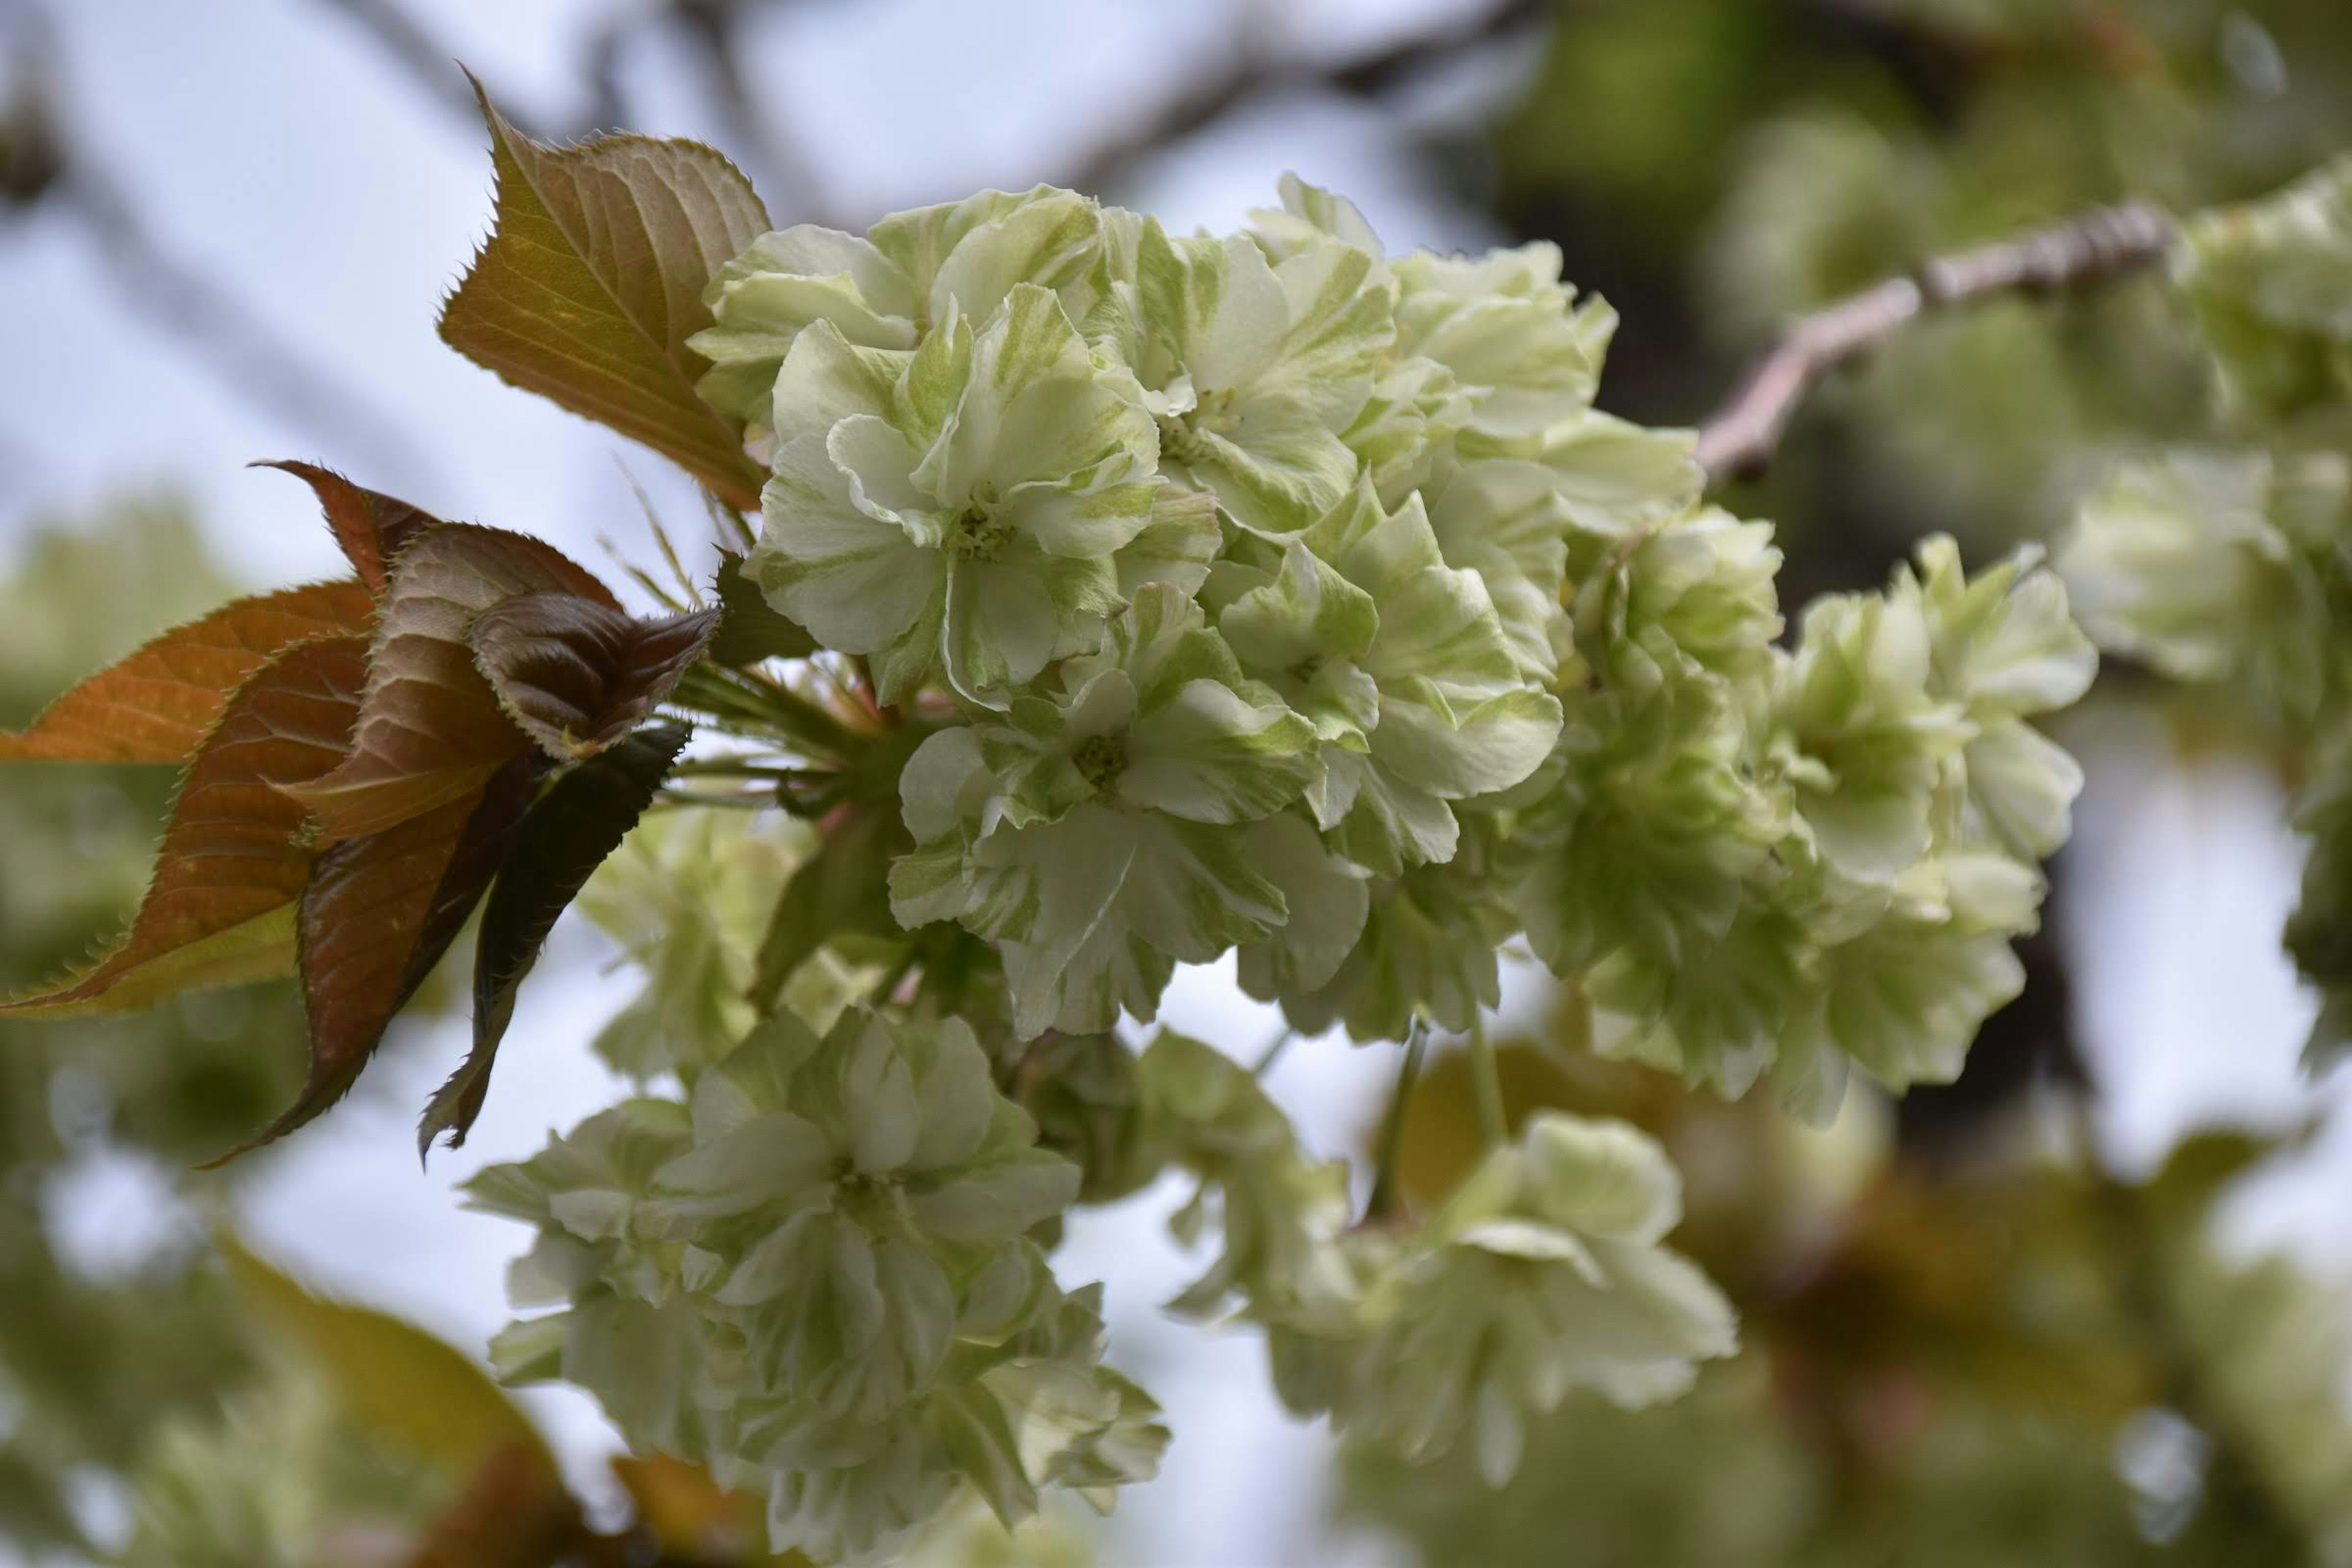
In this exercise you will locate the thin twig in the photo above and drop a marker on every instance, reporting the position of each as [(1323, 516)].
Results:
[(1273, 1052), (432, 66), (1486, 1083), (1386, 1191), (1252, 74), (713, 27), (155, 281), (2103, 244), (784, 177), (419, 55)]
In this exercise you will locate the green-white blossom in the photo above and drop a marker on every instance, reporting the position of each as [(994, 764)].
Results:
[(1259, 595), (1115, 827), (955, 509), (818, 1281), (1254, 367), (887, 288), (2272, 284), (2223, 565), (1277, 1208), (1543, 1272), (1789, 866), (688, 897)]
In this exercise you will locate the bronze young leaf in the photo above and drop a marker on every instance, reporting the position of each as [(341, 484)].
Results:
[(569, 832), (379, 912), (431, 730), (156, 705), (578, 676), (372, 528), (220, 908), (592, 282)]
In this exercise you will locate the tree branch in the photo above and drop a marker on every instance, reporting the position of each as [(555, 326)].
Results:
[(1253, 74), (2101, 245), (783, 175), (427, 61), (418, 54), (211, 318)]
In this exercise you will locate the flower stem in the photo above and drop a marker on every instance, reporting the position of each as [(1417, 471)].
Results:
[(1487, 1081), (1383, 1201), (1273, 1052)]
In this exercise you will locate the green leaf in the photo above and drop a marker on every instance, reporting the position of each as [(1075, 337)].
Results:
[(593, 280), (567, 834), (431, 730), (379, 912), (372, 528), (396, 1380), (157, 704), (750, 628), (578, 676), (219, 910), (843, 888)]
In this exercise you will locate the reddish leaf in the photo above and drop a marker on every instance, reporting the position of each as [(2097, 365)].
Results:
[(577, 675), (156, 705), (377, 915), (568, 833), (431, 730), (219, 910), (371, 527), (592, 280)]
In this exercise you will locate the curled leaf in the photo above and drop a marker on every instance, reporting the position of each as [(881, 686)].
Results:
[(220, 908), (566, 835), (592, 282), (431, 730), (372, 528), (379, 912), (578, 676), (156, 705)]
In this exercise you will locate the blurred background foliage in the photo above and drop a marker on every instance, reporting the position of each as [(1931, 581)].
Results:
[(1714, 166), (1965, 1342), (2009, 1356)]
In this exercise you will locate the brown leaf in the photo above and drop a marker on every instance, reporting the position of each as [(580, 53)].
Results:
[(513, 1513), (592, 281), (156, 705), (220, 908), (578, 676), (691, 1517), (378, 913), (567, 834), (431, 730), (372, 528)]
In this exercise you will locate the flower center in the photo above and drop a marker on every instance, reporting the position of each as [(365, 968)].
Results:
[(861, 1194), (981, 532), (1184, 437), (1100, 759)]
